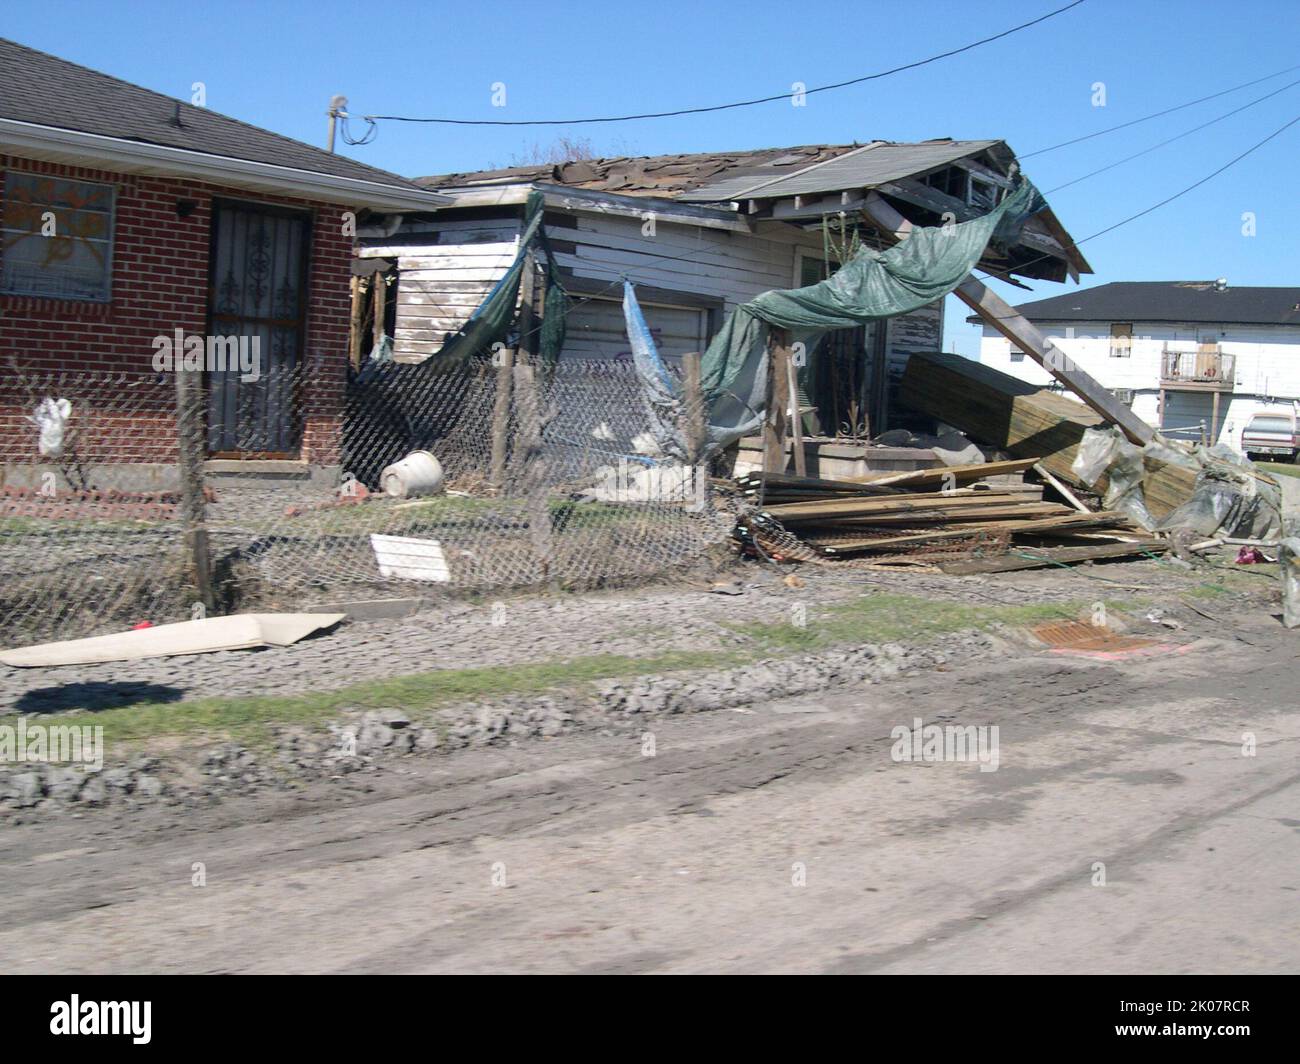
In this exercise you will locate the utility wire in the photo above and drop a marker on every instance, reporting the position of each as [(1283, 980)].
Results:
[(727, 106), (1180, 136), (1159, 114), (1156, 206)]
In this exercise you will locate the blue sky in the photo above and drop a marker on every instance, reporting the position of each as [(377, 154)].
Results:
[(276, 64)]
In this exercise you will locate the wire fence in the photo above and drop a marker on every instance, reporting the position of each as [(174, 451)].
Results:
[(515, 476)]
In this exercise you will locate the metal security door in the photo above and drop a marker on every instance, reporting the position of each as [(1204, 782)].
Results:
[(257, 292)]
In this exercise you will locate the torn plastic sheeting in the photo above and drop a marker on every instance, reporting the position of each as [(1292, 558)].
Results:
[(1107, 452), (241, 631), (1288, 555), (1229, 497)]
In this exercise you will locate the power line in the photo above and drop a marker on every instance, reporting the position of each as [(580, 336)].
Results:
[(1180, 136), (1159, 114), (1196, 184), (727, 106), (1156, 206)]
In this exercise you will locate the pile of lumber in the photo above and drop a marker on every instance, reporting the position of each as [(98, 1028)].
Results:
[(1022, 419), (950, 513)]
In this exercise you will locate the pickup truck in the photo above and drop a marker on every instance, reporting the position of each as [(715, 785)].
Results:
[(1272, 435)]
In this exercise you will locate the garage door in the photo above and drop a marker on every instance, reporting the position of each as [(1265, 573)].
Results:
[(1184, 414), (595, 329)]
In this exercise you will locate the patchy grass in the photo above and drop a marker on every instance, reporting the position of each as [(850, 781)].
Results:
[(1279, 468), (872, 619), (247, 719), (890, 618)]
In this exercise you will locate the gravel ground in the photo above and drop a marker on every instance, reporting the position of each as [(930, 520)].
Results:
[(533, 628), (781, 836)]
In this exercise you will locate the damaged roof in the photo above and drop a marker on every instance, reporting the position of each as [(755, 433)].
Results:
[(667, 176), (1169, 301), (802, 185)]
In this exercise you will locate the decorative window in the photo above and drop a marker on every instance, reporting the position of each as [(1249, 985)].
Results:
[(56, 238)]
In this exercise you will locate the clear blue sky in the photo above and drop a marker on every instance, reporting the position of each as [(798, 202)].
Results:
[(277, 63)]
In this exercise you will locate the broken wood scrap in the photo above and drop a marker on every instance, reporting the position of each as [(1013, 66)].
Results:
[(1038, 558), (1002, 411), (1060, 524), (888, 504), (959, 474)]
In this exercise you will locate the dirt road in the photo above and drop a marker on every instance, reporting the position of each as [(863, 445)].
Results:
[(781, 837)]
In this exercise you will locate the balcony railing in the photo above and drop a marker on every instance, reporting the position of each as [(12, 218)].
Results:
[(1204, 368)]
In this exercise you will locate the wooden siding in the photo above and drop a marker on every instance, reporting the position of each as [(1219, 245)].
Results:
[(447, 266)]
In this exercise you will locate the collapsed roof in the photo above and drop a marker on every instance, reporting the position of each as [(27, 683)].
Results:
[(929, 182)]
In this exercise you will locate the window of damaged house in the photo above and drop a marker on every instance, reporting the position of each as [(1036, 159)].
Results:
[(1121, 339), (972, 189), (56, 238)]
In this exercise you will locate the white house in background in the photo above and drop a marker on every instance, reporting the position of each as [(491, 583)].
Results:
[(1194, 358)]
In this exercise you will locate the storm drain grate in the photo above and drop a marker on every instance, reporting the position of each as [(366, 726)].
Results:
[(1075, 635)]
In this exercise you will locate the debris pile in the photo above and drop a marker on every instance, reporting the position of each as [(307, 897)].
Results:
[(953, 517)]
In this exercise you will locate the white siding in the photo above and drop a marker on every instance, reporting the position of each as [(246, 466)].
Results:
[(448, 266), (445, 269), (1266, 373)]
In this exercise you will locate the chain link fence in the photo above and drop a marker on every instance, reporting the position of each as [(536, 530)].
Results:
[(547, 476)]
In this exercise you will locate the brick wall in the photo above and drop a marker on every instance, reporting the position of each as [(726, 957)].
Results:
[(160, 283)]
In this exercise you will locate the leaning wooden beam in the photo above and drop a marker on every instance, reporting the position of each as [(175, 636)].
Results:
[(1003, 317)]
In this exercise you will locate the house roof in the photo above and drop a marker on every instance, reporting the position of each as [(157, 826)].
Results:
[(665, 176), (868, 166), (799, 185), (1169, 301), (43, 96)]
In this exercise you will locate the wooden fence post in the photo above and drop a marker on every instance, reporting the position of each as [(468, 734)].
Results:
[(696, 426), (193, 509), (778, 385)]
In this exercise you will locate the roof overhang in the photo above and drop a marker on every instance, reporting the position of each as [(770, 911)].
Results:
[(589, 201), (95, 151)]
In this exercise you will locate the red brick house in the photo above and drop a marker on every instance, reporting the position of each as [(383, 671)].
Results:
[(126, 215)]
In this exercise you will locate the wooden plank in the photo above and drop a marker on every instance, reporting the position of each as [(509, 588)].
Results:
[(1069, 521), (938, 474), (1023, 419), (381, 295), (890, 504), (777, 399), (1027, 558), (796, 421), (694, 412), (355, 322), (1061, 489)]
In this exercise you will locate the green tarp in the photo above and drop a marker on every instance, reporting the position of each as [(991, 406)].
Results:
[(924, 268), (492, 321)]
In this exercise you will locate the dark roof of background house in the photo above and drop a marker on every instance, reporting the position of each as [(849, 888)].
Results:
[(668, 176), (1171, 301), (45, 90)]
